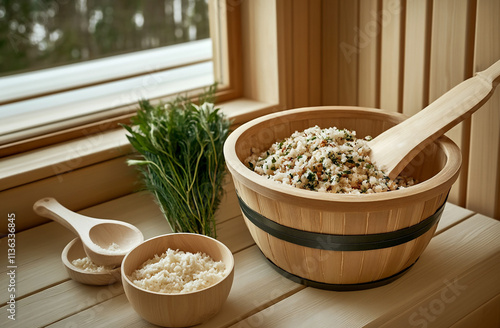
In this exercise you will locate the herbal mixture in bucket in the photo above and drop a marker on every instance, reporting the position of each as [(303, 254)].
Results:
[(181, 144), (325, 160)]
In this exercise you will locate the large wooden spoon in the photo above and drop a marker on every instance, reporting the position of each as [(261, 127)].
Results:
[(395, 148), (97, 235)]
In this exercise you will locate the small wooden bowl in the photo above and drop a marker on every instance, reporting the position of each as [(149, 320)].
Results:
[(74, 250), (178, 310)]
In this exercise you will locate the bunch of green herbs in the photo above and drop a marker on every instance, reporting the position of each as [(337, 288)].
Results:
[(182, 161)]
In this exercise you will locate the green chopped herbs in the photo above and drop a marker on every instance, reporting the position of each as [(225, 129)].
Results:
[(181, 159)]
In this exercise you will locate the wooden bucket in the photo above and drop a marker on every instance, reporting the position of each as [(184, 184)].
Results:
[(334, 241)]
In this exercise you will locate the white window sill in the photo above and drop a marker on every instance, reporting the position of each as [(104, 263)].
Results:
[(53, 160)]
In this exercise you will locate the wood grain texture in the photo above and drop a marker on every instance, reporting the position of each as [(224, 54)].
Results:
[(74, 251), (260, 50), (448, 60), (368, 36), (71, 155), (300, 44), (392, 21), (333, 213), (484, 159), (439, 282), (417, 51), (300, 56), (348, 44), (178, 309), (95, 235), (330, 52), (42, 280), (78, 189), (284, 21), (425, 48), (225, 32), (393, 149), (138, 209), (315, 55), (486, 316)]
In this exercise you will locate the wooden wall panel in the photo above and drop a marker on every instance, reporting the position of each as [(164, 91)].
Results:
[(300, 30), (284, 22), (417, 51), (368, 35), (483, 189), (348, 57), (330, 45), (259, 62), (400, 55), (300, 40), (448, 64), (314, 46), (392, 21)]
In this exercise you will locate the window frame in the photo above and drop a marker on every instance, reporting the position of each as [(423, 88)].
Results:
[(226, 48), (91, 168)]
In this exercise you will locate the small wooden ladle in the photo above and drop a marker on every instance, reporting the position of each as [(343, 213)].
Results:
[(97, 235), (394, 149)]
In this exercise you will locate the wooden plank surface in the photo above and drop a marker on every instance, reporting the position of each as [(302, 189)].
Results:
[(18, 169), (38, 250), (41, 276), (452, 215), (94, 184), (463, 264), (69, 297), (486, 316), (256, 285)]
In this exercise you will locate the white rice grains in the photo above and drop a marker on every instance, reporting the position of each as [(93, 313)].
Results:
[(112, 248), (178, 272), (325, 160), (85, 264)]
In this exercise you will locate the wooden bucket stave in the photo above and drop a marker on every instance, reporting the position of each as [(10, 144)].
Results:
[(292, 210)]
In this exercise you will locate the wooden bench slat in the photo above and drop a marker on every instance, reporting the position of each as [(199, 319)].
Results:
[(256, 285), (460, 266)]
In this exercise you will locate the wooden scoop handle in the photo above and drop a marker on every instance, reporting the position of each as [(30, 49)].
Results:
[(50, 208), (395, 148)]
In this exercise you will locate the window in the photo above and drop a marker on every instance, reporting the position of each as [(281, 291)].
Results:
[(114, 70), (47, 33)]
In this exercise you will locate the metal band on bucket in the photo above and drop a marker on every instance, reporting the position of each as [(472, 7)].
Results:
[(339, 287), (340, 242)]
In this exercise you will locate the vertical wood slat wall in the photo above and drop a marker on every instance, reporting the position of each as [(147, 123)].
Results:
[(400, 55)]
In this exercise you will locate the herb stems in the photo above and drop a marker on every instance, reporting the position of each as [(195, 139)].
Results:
[(181, 145)]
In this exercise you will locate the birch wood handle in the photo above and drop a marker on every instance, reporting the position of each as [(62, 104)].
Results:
[(50, 208), (395, 148)]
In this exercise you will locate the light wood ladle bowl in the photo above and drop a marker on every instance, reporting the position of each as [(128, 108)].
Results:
[(96, 234), (394, 149)]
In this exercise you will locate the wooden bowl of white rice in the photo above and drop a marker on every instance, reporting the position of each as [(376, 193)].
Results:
[(330, 235), (179, 279)]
